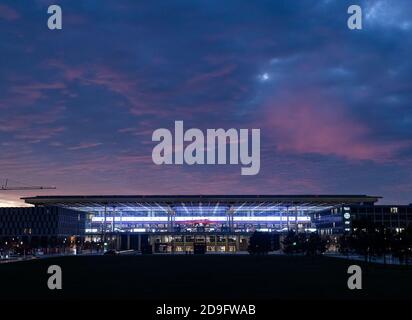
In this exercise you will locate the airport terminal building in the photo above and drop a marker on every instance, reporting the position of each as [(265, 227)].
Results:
[(221, 223)]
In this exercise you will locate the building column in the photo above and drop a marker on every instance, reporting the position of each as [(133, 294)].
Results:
[(173, 243), (184, 243), (121, 220), (113, 219), (280, 222), (296, 219), (139, 242), (169, 223), (104, 227), (287, 218), (118, 241), (226, 243)]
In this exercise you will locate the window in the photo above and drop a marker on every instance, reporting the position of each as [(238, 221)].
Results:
[(394, 210)]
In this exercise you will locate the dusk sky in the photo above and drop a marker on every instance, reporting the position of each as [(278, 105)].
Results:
[(78, 106)]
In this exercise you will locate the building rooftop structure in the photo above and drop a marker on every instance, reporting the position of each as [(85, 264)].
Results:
[(84, 201)]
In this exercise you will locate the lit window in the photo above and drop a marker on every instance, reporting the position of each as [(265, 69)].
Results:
[(394, 210)]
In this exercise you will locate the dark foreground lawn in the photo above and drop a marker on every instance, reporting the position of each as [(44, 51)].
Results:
[(183, 277)]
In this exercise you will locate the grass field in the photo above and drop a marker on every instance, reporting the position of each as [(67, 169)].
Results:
[(181, 277)]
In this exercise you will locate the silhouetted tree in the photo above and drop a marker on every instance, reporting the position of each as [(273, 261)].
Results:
[(260, 243), (361, 237), (380, 239), (401, 245), (345, 244), (294, 242), (370, 239), (314, 244)]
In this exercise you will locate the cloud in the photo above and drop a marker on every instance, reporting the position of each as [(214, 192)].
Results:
[(385, 13), (25, 93), (85, 146), (307, 125), (212, 75), (8, 13)]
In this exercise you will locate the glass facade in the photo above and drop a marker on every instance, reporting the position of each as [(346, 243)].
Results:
[(346, 218), (196, 218)]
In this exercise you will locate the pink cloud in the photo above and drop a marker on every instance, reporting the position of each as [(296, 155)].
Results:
[(209, 76), (85, 146), (8, 13), (118, 82), (35, 135), (310, 125), (131, 87), (27, 93), (70, 73), (37, 126)]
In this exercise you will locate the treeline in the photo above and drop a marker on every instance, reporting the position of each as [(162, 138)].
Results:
[(372, 240), (293, 243), (368, 240), (310, 244)]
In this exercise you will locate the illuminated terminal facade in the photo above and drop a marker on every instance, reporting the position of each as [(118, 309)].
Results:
[(221, 223)]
